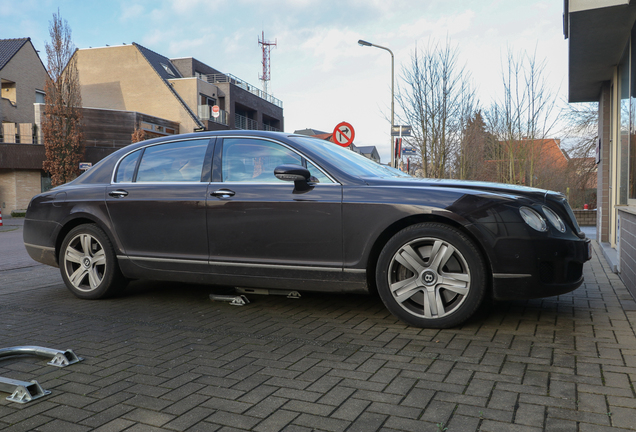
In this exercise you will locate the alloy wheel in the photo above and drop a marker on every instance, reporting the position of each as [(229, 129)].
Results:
[(85, 262), (429, 278)]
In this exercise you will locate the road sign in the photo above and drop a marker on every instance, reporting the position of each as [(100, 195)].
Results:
[(407, 151), (401, 131), (343, 134), (215, 111)]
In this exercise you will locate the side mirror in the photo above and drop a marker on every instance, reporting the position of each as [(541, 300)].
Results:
[(296, 173)]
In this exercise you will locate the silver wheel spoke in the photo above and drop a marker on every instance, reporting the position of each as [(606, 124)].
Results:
[(73, 255), (407, 291), (93, 278), (99, 258), (410, 259), (77, 276), (440, 255), (456, 282), (401, 284), (85, 239)]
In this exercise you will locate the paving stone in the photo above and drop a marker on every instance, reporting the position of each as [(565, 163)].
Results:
[(160, 358), (276, 422)]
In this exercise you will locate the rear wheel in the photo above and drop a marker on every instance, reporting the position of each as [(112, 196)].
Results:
[(431, 275), (88, 263)]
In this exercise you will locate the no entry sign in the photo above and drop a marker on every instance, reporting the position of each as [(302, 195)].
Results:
[(343, 134)]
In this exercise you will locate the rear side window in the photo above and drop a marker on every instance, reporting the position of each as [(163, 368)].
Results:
[(126, 169), (180, 161)]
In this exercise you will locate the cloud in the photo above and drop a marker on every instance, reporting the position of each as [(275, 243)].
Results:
[(332, 47), (131, 11), (445, 25)]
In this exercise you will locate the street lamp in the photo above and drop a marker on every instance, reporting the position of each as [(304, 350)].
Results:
[(365, 43)]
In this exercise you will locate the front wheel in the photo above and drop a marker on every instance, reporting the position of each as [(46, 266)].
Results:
[(431, 275), (88, 263)]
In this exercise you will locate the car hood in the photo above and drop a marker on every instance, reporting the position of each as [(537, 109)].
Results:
[(508, 189)]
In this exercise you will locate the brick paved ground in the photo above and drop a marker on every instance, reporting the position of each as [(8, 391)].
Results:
[(165, 358)]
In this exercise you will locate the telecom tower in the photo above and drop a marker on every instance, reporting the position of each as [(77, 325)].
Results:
[(267, 47)]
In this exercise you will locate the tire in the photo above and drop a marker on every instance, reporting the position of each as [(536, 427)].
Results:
[(431, 275), (88, 264)]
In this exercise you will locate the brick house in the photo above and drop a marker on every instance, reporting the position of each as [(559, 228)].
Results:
[(22, 77)]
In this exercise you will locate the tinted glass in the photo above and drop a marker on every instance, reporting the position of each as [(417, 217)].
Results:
[(317, 174), (126, 169), (346, 160), (173, 162), (252, 160)]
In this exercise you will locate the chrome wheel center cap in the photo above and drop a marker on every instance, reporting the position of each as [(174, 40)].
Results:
[(428, 277), (86, 262)]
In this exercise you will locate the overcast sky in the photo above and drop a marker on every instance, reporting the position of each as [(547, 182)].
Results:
[(318, 70)]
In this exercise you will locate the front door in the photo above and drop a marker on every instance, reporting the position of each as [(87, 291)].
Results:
[(258, 226)]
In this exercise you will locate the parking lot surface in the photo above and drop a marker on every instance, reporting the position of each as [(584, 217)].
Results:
[(164, 357)]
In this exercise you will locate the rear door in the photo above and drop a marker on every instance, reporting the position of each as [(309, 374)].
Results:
[(157, 205)]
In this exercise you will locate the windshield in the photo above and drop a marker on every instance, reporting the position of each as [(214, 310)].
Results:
[(347, 160)]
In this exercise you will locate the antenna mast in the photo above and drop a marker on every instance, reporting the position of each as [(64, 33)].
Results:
[(267, 47)]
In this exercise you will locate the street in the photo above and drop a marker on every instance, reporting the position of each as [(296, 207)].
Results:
[(164, 357)]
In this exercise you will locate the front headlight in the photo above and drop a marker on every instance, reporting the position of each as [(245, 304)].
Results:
[(554, 219), (534, 219)]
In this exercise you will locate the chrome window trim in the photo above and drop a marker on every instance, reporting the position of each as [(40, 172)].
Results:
[(112, 176), (286, 146), (279, 183), (162, 183)]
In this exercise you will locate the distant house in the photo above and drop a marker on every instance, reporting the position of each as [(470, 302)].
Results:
[(543, 159), (184, 90), (22, 78), (370, 152)]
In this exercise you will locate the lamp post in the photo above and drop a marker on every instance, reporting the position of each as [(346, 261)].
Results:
[(365, 43)]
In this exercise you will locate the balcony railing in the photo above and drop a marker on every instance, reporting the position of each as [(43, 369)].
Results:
[(205, 113), (242, 122), (228, 78), (267, 127), (18, 133)]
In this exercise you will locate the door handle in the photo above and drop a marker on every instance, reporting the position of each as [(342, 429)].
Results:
[(118, 193), (223, 193)]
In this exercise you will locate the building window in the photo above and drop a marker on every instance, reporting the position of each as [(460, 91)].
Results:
[(39, 97), (168, 69), (206, 100), (624, 127)]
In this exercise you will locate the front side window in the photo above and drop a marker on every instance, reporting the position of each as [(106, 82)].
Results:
[(252, 160), (180, 161)]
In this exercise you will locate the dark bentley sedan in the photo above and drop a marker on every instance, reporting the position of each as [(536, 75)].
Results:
[(275, 210)]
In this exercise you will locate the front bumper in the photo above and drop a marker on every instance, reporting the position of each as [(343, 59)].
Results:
[(550, 268)]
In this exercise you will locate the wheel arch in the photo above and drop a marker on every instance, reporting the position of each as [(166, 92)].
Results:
[(77, 220), (399, 225)]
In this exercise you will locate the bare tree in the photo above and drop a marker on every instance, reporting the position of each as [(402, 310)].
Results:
[(582, 131), (437, 100), (521, 119), (61, 123)]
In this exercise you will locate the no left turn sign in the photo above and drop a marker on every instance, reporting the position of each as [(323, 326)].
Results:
[(343, 134)]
